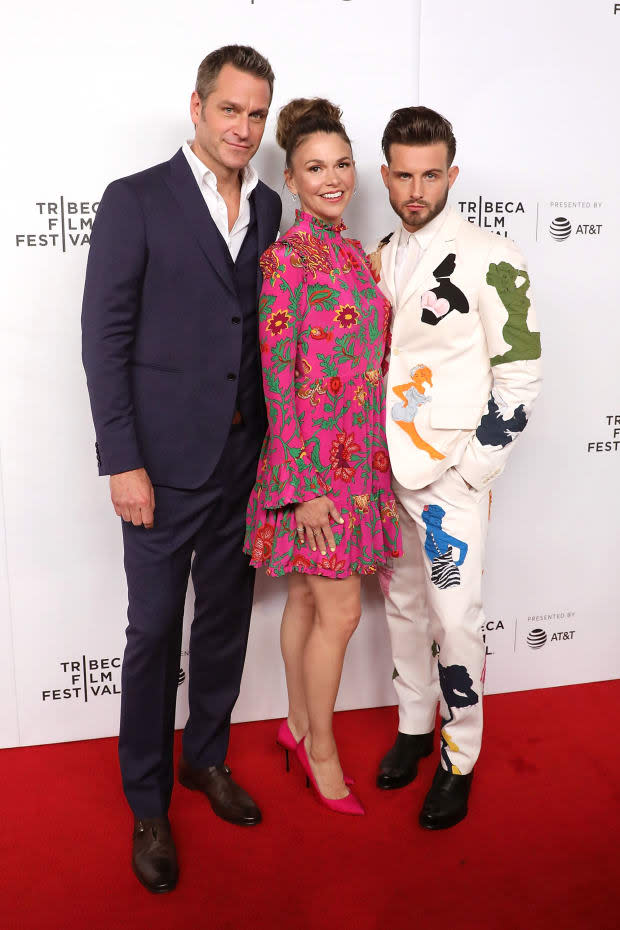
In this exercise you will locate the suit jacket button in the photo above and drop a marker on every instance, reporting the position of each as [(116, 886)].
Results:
[(236, 319), (231, 376)]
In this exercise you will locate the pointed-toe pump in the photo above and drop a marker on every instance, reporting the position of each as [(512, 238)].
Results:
[(348, 805), (287, 741)]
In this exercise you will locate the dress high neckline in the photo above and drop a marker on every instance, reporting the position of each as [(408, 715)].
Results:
[(318, 225)]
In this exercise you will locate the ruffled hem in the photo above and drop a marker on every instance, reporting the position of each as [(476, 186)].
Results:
[(368, 538)]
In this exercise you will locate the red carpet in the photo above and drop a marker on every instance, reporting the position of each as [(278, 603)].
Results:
[(538, 850)]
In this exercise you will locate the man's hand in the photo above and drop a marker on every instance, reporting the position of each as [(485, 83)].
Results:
[(133, 497), (312, 518)]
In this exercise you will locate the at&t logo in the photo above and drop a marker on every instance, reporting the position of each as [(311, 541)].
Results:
[(561, 228)]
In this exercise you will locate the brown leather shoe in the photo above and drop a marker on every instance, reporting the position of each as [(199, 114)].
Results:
[(154, 857), (228, 800)]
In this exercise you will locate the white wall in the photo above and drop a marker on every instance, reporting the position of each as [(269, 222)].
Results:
[(103, 92)]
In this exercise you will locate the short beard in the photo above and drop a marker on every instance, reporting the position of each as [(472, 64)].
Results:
[(414, 219)]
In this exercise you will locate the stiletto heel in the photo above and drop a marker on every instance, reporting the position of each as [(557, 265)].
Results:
[(287, 741), (348, 805)]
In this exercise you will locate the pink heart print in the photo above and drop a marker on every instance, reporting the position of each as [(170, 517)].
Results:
[(437, 306)]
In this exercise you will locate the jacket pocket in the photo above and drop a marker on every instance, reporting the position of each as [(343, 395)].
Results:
[(156, 367)]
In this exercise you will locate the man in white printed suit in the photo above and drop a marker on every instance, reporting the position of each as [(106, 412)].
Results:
[(464, 373)]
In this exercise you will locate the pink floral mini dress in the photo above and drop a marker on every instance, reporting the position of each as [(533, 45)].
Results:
[(324, 337)]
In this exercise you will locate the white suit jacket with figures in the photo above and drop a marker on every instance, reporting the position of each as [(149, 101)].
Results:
[(465, 362)]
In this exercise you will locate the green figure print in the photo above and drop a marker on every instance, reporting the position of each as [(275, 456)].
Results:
[(525, 344)]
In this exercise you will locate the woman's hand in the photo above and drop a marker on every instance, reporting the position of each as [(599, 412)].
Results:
[(312, 518)]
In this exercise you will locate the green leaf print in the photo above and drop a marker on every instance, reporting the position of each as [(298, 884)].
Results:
[(321, 296), (295, 298), (343, 350), (373, 329), (265, 304), (327, 366), (281, 355), (369, 293)]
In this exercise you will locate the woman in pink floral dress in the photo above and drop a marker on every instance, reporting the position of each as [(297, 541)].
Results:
[(322, 510)]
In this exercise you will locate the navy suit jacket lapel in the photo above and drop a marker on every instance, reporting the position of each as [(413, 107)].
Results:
[(263, 234), (182, 184)]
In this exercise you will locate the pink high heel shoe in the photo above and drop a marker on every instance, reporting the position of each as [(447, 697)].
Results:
[(348, 805), (287, 741)]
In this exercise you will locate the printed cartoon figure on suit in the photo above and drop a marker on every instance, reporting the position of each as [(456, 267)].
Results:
[(441, 300), (462, 311), (412, 396), (438, 547), (456, 691)]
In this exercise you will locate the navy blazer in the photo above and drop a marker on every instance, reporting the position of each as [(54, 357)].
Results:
[(159, 348)]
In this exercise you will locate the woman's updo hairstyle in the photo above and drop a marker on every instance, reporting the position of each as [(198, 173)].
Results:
[(301, 117)]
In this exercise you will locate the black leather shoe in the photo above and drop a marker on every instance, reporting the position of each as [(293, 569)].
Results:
[(154, 857), (446, 802), (399, 766), (228, 800)]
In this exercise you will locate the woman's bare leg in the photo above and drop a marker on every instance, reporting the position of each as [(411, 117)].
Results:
[(297, 623), (338, 608)]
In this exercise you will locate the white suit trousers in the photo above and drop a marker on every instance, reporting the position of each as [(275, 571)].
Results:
[(434, 614)]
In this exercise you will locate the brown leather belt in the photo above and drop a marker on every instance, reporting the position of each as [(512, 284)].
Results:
[(237, 418)]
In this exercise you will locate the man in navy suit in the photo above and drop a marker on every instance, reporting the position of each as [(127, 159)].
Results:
[(170, 348)]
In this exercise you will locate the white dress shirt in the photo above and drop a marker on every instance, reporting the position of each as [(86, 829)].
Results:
[(207, 184), (411, 247)]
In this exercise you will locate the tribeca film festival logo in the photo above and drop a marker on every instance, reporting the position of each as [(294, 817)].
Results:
[(85, 679), (540, 636), (613, 443), (492, 627), (63, 224), (492, 215)]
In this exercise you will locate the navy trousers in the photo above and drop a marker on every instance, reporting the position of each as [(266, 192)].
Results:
[(200, 531)]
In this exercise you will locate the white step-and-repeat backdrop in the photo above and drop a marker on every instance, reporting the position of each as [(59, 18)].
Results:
[(98, 93)]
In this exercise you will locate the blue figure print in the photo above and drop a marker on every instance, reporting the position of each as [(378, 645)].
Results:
[(494, 430), (456, 686), (438, 547)]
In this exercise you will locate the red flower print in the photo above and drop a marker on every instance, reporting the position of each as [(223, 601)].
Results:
[(270, 266), (335, 386), (343, 447), (303, 368), (261, 550), (389, 510), (354, 260), (312, 392), (301, 563), (333, 564), (313, 252), (362, 502), (278, 321), (360, 395), (373, 376), (347, 315), (380, 460), (316, 332)]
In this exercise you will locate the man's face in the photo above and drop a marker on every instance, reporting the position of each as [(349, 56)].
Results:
[(231, 121), (418, 180)]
